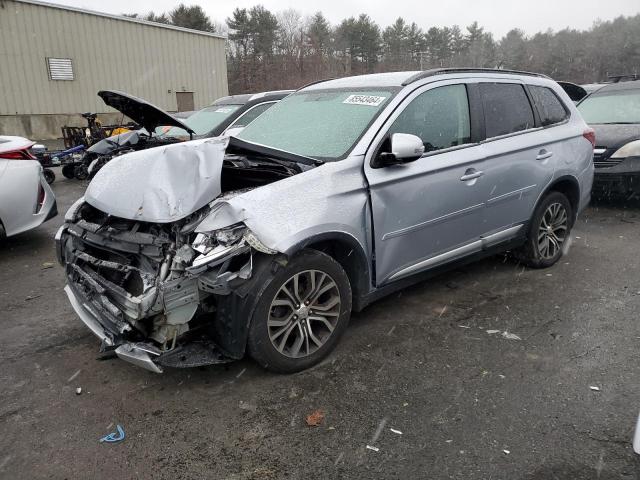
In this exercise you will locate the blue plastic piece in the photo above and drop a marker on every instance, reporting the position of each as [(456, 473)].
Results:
[(114, 437)]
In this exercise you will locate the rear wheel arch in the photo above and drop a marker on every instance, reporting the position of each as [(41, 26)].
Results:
[(570, 188)]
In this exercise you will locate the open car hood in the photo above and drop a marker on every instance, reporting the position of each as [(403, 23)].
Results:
[(162, 184), (143, 113)]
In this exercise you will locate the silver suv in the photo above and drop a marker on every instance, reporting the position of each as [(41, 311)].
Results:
[(345, 191)]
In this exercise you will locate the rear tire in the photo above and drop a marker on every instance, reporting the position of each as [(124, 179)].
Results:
[(549, 229), (49, 176), (301, 314)]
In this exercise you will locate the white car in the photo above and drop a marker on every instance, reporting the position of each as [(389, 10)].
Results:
[(26, 200)]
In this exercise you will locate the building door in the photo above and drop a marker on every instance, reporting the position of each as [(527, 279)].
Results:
[(185, 101)]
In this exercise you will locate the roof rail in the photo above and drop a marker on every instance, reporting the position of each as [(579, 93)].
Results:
[(443, 71), (317, 81)]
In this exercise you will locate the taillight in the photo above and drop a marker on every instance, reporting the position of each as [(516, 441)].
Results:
[(41, 196), (590, 135), (18, 155)]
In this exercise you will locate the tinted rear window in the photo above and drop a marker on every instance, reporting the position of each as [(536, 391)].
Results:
[(506, 108), (549, 106)]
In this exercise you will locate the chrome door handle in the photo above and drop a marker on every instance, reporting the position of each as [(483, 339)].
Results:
[(544, 154), (471, 174)]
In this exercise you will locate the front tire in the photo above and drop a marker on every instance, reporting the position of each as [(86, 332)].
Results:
[(549, 231), (68, 171), (301, 314), (81, 172)]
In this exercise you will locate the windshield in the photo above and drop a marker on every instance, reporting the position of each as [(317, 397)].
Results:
[(612, 107), (322, 124), (203, 121)]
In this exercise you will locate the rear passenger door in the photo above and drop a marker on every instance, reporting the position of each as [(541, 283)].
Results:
[(519, 160)]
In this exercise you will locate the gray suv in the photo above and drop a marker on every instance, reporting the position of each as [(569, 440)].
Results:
[(345, 191)]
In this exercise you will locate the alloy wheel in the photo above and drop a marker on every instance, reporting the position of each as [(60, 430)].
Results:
[(304, 313), (552, 230)]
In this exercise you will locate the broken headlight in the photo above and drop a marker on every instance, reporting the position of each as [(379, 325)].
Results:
[(215, 247)]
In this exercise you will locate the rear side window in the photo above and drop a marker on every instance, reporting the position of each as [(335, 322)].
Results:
[(506, 108), (549, 106), (440, 117)]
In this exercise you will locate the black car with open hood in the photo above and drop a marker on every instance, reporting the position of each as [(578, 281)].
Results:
[(162, 128)]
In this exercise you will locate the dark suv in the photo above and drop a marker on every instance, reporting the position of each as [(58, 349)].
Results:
[(613, 112)]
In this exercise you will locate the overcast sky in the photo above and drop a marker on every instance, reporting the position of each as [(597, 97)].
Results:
[(497, 16)]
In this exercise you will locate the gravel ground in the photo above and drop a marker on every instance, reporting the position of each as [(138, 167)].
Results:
[(469, 403)]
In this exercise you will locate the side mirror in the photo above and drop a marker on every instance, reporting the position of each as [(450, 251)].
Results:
[(405, 148)]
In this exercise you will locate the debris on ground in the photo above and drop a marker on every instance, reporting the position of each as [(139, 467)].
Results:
[(247, 406), (594, 388), (397, 432), (506, 452), (46, 265), (314, 419), (31, 297), (114, 437), (375, 449), (491, 332), (78, 390), (510, 336), (73, 377)]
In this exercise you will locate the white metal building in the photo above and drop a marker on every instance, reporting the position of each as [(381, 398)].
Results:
[(54, 59)]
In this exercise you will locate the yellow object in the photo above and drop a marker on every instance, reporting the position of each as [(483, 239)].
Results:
[(119, 130)]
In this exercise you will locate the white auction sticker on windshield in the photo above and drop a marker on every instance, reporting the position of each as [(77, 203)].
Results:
[(371, 100), (224, 110)]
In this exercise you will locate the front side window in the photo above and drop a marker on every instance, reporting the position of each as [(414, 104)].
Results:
[(548, 104), (506, 108), (440, 117), (322, 124), (622, 106)]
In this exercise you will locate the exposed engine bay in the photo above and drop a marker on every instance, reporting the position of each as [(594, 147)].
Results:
[(152, 290)]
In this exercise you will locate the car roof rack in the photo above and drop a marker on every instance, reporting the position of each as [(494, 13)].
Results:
[(623, 78), (444, 71)]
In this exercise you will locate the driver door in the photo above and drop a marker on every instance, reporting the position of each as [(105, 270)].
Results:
[(430, 211)]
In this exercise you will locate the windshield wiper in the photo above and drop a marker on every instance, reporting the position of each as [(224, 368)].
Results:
[(238, 146)]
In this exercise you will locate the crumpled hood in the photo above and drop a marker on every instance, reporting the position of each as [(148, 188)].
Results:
[(162, 184), (110, 144)]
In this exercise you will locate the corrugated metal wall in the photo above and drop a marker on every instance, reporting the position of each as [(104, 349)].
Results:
[(107, 53)]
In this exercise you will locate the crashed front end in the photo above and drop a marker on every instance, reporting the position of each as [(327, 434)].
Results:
[(150, 291), (148, 269)]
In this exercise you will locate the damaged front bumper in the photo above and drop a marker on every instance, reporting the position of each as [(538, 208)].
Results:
[(152, 316), (141, 355)]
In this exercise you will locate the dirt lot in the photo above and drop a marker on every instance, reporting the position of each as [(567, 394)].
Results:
[(470, 404)]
